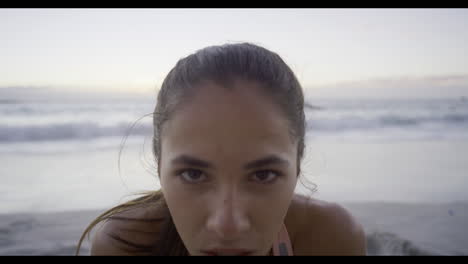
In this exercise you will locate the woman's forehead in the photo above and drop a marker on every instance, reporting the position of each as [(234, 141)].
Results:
[(221, 120), (234, 132), (242, 107)]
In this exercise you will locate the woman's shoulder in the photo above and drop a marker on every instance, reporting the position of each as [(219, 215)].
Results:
[(130, 232), (318, 227)]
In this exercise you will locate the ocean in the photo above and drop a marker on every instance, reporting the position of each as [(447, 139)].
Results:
[(399, 166)]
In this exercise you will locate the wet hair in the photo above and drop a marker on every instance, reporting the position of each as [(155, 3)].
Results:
[(223, 65)]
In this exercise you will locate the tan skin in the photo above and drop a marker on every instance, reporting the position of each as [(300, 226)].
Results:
[(229, 206)]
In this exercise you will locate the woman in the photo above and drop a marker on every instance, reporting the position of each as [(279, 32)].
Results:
[(229, 131)]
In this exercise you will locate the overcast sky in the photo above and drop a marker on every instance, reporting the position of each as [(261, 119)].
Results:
[(334, 52)]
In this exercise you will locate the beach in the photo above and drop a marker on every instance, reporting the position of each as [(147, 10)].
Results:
[(391, 229)]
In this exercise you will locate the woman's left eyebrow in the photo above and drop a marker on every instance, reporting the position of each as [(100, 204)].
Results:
[(185, 159), (268, 160)]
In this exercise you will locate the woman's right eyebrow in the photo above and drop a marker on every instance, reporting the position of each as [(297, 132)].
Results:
[(185, 159), (268, 160)]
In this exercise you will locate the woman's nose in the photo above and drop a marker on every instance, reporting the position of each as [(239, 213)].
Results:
[(228, 219)]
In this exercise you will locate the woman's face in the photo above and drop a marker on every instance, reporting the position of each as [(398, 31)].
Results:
[(228, 170)]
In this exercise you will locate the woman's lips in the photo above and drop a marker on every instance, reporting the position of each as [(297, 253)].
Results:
[(227, 252)]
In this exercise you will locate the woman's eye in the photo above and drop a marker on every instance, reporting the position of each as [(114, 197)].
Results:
[(266, 176), (192, 176)]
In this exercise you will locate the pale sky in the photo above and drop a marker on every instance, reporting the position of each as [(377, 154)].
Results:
[(133, 49)]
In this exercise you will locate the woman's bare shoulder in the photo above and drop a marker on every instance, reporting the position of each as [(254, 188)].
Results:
[(130, 232), (324, 228)]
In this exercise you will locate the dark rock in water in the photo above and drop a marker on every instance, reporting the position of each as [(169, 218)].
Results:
[(313, 107)]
